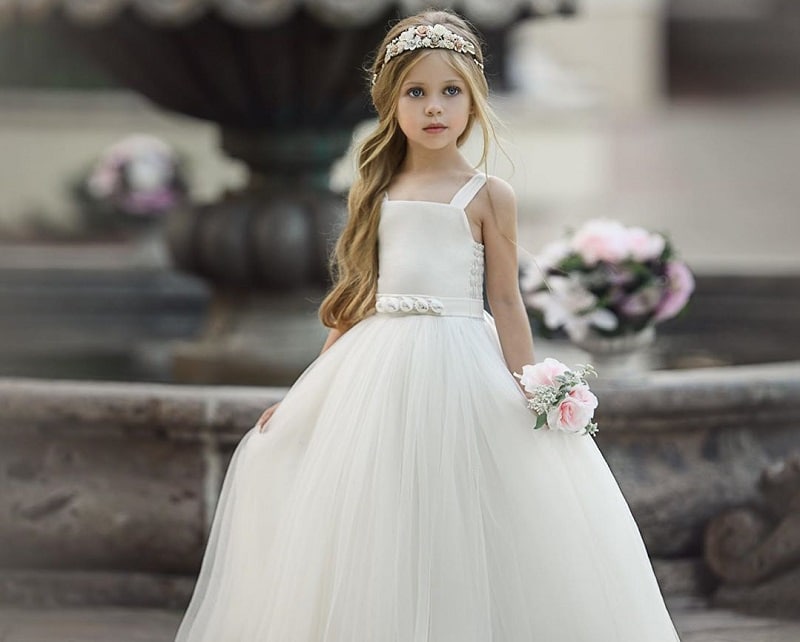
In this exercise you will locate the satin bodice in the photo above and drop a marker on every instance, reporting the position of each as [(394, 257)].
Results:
[(426, 248)]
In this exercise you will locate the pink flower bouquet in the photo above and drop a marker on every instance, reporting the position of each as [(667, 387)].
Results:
[(139, 176), (608, 279), (560, 397)]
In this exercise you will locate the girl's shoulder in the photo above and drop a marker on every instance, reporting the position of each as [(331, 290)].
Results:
[(499, 188), (497, 198)]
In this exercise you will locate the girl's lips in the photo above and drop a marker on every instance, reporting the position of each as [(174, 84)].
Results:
[(435, 128)]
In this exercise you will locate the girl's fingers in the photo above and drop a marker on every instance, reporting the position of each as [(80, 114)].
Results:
[(264, 418)]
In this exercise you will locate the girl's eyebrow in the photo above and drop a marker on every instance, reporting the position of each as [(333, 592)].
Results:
[(419, 82)]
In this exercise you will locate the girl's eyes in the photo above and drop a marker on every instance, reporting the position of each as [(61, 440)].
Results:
[(417, 92)]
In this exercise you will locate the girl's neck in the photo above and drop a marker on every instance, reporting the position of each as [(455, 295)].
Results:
[(423, 161)]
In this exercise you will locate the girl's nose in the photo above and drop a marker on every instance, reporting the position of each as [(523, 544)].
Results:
[(433, 109)]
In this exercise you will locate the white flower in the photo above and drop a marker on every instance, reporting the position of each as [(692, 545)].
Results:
[(149, 171), (566, 299), (578, 327), (570, 305), (554, 252), (534, 271), (532, 276)]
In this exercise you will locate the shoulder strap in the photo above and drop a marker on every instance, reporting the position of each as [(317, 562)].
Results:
[(468, 191)]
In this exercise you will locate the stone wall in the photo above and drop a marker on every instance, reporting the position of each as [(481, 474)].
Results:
[(686, 444), (105, 483), (108, 488)]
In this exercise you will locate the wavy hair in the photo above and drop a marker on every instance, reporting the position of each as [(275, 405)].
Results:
[(354, 262)]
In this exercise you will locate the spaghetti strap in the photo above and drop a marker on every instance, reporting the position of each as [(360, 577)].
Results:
[(468, 191)]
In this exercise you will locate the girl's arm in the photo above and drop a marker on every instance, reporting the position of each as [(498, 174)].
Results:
[(502, 276), (333, 336)]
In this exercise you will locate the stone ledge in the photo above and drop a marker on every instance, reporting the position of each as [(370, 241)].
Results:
[(691, 400), (173, 411), (660, 401)]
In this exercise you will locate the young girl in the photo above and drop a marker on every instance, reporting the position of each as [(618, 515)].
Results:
[(399, 492)]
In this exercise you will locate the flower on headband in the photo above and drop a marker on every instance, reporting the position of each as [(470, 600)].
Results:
[(428, 37)]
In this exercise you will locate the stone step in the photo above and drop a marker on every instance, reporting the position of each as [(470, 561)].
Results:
[(57, 308), (694, 621), (37, 588)]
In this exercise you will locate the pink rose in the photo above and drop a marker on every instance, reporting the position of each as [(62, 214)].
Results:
[(543, 373), (582, 394), (574, 412), (601, 240), (680, 285), (644, 245)]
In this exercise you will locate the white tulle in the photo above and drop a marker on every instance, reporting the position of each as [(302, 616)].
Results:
[(401, 495)]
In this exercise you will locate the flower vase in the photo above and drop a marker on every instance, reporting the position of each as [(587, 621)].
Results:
[(625, 356)]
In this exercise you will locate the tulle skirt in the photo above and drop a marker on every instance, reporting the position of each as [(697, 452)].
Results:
[(400, 494)]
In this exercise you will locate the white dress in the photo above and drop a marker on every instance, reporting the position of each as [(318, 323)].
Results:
[(400, 493)]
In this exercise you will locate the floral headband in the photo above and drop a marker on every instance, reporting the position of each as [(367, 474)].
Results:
[(428, 37)]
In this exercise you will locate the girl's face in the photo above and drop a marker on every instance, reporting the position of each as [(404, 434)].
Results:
[(434, 104)]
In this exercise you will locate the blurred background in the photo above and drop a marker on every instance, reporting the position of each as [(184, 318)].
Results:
[(680, 116)]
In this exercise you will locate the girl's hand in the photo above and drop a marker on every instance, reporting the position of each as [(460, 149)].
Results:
[(264, 418)]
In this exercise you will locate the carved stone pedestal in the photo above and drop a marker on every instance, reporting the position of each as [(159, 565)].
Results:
[(265, 253), (253, 338), (755, 550)]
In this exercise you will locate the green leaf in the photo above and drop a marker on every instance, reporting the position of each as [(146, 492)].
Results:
[(572, 263)]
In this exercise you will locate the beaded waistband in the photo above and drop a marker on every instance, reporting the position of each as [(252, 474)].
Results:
[(423, 304)]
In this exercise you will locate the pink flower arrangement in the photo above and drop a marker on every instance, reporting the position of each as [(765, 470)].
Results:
[(139, 175), (560, 397), (607, 279)]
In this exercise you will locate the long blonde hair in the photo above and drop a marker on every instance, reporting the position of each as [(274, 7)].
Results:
[(354, 263)]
